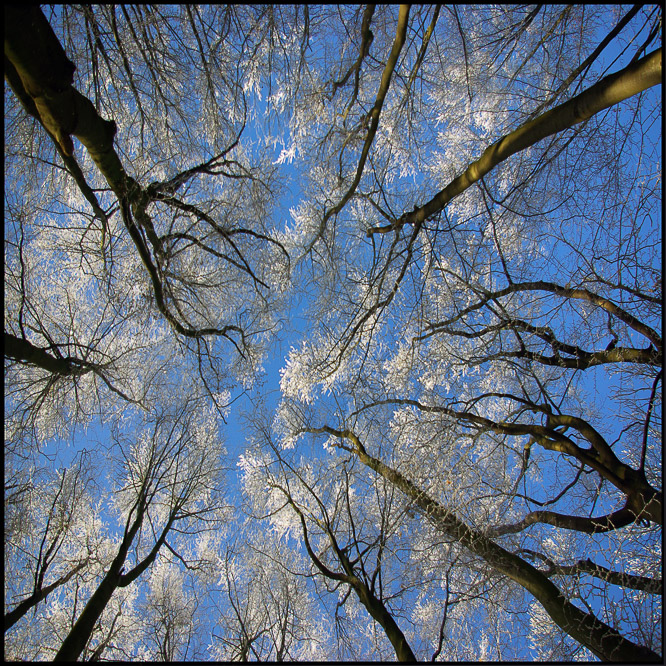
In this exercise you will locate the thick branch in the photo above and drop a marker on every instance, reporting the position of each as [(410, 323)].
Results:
[(635, 78), (607, 523), (632, 581), (125, 579), (380, 613), (79, 635), (583, 360), (22, 608), (564, 292), (25, 352), (579, 359)]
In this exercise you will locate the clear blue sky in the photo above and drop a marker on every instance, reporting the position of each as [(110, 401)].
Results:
[(296, 328)]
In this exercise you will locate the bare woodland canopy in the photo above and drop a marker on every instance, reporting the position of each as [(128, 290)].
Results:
[(450, 219)]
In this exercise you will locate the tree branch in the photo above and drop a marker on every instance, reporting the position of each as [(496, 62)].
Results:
[(401, 32), (13, 616), (604, 641), (25, 352), (611, 90), (632, 581), (564, 292), (607, 523)]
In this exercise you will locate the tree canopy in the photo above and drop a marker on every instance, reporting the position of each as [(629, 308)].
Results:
[(333, 332)]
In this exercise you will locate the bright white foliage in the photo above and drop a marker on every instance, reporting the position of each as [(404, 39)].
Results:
[(414, 337)]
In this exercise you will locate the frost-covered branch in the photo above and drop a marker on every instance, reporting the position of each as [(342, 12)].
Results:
[(600, 638)]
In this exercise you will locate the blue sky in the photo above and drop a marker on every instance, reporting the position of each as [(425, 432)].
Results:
[(295, 329)]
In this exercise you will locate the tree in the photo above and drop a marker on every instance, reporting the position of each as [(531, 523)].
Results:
[(168, 623), (48, 514), (463, 207), (55, 556), (210, 271), (470, 271), (264, 608), (171, 485), (349, 530)]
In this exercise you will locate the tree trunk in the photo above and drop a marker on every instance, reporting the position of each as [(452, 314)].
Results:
[(78, 637), (601, 639), (393, 632)]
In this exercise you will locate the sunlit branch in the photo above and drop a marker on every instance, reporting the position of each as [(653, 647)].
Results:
[(373, 116), (70, 162), (611, 90)]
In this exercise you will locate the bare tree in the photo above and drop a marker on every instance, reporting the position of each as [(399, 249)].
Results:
[(200, 255), (353, 532), (265, 610), (454, 212), (169, 475), (473, 322), (603, 640), (39, 527)]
